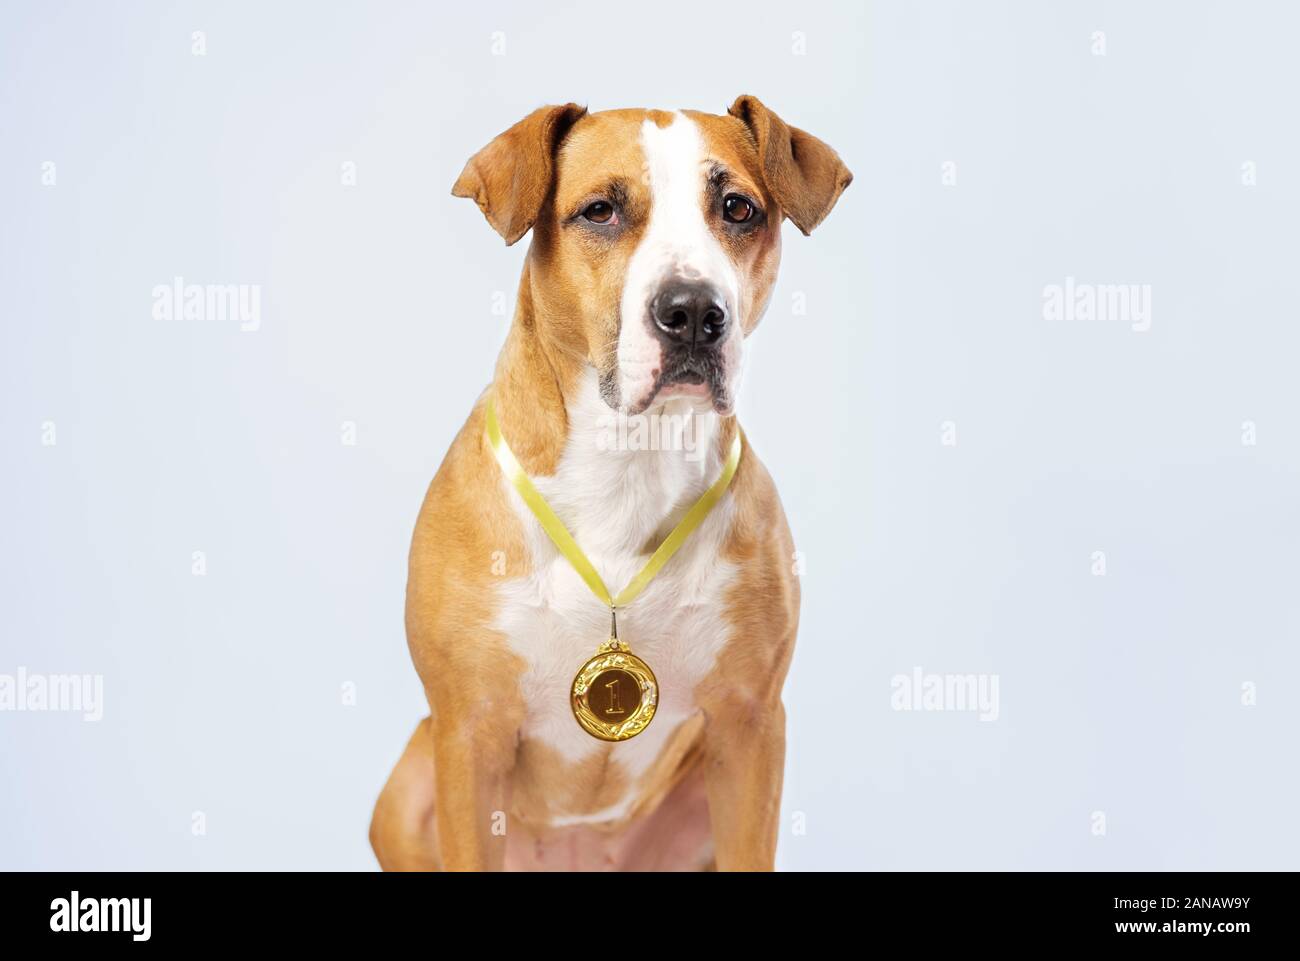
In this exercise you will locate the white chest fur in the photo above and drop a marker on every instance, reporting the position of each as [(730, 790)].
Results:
[(616, 502)]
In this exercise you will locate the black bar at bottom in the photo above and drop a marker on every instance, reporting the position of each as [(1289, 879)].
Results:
[(211, 910)]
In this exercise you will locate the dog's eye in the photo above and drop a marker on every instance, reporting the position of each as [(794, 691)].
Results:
[(600, 213), (737, 209)]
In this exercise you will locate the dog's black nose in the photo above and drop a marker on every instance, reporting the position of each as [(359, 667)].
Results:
[(692, 314)]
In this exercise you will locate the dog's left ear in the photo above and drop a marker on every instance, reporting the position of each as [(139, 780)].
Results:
[(804, 174), (510, 177)]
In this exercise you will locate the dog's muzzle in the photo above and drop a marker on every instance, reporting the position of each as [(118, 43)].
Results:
[(690, 319)]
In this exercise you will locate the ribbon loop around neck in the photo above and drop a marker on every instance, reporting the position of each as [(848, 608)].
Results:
[(567, 546)]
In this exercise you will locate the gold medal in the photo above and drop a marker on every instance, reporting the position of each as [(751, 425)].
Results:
[(614, 694)]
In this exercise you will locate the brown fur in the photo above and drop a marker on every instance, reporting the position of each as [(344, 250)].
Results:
[(728, 759)]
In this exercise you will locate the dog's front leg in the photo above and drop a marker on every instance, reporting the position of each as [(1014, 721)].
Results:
[(744, 760), (475, 754)]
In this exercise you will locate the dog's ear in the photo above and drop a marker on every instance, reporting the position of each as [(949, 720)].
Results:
[(510, 177), (804, 175)]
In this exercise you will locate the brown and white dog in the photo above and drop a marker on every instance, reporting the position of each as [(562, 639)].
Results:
[(656, 239)]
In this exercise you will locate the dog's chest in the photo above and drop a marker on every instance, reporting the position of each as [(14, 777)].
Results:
[(677, 625), (555, 624)]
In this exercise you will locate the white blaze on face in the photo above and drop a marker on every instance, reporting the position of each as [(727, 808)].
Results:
[(677, 243)]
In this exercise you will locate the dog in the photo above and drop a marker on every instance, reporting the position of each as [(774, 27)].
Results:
[(656, 237)]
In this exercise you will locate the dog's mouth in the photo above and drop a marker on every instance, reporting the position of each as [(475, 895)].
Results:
[(689, 375), (692, 374), (698, 376)]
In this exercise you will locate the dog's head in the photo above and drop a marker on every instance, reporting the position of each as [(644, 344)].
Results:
[(656, 235)]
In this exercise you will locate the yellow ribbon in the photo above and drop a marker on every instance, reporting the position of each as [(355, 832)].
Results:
[(564, 541)]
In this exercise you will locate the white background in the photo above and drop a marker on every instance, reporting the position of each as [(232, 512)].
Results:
[(1119, 694)]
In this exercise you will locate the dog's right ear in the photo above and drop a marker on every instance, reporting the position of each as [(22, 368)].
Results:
[(510, 177)]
